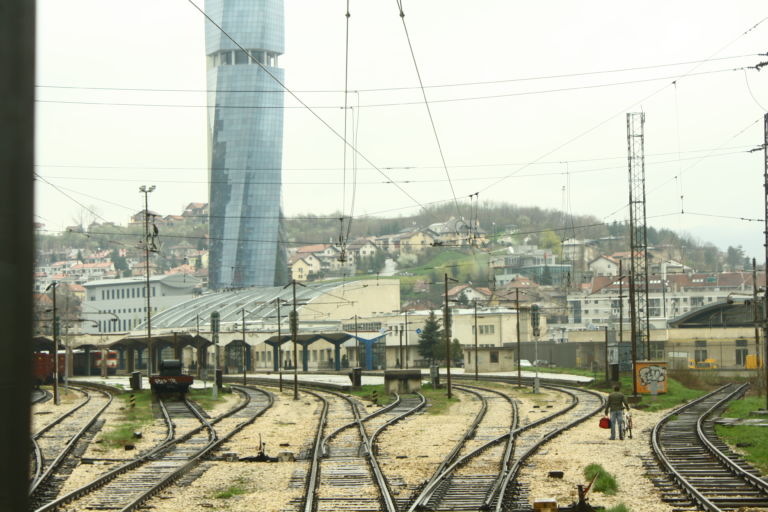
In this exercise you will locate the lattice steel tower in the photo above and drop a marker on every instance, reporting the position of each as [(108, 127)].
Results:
[(638, 238)]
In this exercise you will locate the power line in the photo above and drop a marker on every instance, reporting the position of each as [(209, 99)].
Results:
[(429, 110), (388, 168), (404, 88), (393, 104)]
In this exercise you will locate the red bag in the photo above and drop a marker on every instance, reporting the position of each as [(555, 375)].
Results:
[(605, 422)]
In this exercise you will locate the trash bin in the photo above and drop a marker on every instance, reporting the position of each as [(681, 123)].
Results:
[(356, 377), (135, 381)]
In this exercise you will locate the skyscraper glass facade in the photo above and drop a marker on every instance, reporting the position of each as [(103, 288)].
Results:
[(245, 143)]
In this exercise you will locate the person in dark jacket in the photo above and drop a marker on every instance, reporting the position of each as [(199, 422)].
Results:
[(615, 404)]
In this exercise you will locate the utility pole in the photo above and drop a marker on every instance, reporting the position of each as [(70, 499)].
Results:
[(215, 319), (765, 269), (519, 346), (638, 239), (401, 350), (146, 190), (607, 376), (294, 335), (476, 378), (357, 344), (56, 398), (755, 320), (245, 345), (406, 339), (621, 304), (447, 332)]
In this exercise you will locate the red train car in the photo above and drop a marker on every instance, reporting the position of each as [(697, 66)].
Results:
[(42, 368), (83, 363)]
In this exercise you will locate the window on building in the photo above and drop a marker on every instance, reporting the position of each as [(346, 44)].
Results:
[(697, 301), (494, 356)]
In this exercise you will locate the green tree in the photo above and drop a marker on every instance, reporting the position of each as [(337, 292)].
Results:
[(463, 299), (735, 258), (549, 240), (430, 337)]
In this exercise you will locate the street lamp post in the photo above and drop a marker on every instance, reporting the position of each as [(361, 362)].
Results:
[(146, 190)]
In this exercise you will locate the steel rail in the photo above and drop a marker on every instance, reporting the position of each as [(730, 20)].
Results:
[(687, 487), (324, 444), (451, 462), (113, 473), (158, 450), (43, 395), (395, 419), (515, 469), (43, 476), (683, 482), (312, 477), (214, 443), (64, 415), (734, 468), (321, 449), (212, 438), (381, 480)]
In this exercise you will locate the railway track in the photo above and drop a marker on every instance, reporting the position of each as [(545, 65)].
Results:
[(40, 395), (470, 472), (344, 473), (130, 485), (52, 445), (511, 495), (699, 471)]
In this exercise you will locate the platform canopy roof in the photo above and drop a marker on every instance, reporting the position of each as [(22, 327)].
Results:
[(306, 339), (735, 312), (182, 339), (260, 304)]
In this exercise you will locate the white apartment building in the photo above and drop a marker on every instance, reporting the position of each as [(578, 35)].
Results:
[(120, 305)]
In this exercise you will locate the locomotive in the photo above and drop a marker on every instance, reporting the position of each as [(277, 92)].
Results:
[(171, 378)]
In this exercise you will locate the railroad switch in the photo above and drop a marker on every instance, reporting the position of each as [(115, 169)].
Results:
[(582, 505)]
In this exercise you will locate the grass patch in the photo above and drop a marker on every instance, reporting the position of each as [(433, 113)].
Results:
[(131, 419), (757, 452), (437, 399), (618, 508), (204, 397), (366, 393), (233, 490), (604, 483)]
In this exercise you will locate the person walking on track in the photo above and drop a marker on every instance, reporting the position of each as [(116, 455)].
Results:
[(615, 404)]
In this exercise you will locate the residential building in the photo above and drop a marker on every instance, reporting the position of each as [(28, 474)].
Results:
[(245, 145), (119, 305)]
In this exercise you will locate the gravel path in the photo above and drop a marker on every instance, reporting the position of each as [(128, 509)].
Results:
[(585, 444), (430, 437)]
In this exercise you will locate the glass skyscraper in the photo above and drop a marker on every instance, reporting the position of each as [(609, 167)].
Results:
[(245, 143)]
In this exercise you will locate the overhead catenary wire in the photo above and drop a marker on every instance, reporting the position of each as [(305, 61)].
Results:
[(312, 108), (429, 110)]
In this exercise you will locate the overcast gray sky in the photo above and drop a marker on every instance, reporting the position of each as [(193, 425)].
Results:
[(550, 140)]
